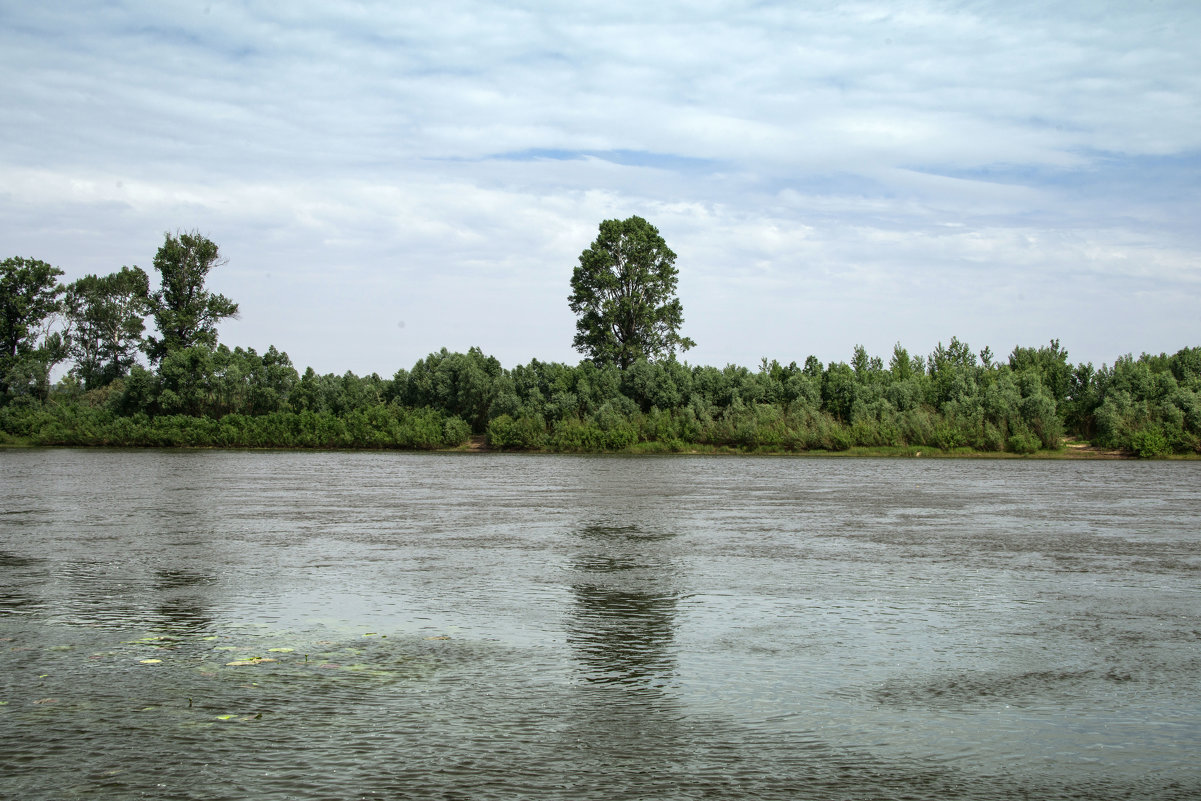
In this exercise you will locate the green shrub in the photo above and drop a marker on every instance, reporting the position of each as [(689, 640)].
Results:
[(840, 437), (524, 433), (948, 436), (1149, 442), (576, 436), (990, 439), (621, 437), (1023, 441)]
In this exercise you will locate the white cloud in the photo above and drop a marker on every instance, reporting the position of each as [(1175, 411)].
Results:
[(829, 174)]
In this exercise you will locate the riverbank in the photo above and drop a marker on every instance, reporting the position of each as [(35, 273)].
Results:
[(394, 428), (1071, 449), (478, 444)]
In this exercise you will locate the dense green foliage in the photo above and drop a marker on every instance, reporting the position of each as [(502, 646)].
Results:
[(624, 293), (185, 313), (29, 292), (951, 400), (106, 318), (378, 426), (200, 393)]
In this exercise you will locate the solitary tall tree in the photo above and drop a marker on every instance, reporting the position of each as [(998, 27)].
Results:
[(185, 313), (624, 293)]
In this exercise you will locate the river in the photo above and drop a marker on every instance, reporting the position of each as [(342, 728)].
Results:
[(311, 625)]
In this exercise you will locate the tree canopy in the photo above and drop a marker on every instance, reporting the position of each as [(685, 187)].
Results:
[(106, 315), (624, 291), (29, 296), (185, 313)]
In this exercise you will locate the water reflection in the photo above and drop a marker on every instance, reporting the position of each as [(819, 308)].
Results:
[(182, 608), (930, 643), (623, 620), (622, 724), (183, 615), (173, 579), (14, 603), (12, 560), (14, 597)]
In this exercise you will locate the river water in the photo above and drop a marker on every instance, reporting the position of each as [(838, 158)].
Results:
[(271, 625)]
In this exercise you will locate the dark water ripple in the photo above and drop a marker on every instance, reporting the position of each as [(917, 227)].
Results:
[(311, 626)]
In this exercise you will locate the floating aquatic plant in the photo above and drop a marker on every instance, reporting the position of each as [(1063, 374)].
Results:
[(254, 660)]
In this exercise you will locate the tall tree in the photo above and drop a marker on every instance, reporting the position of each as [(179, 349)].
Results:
[(185, 313), (107, 318), (29, 298), (624, 293)]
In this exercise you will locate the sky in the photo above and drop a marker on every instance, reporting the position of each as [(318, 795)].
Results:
[(388, 179)]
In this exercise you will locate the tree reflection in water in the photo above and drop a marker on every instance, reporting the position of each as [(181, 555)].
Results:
[(182, 606), (622, 625)]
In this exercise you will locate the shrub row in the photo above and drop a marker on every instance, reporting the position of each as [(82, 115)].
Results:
[(375, 427), (951, 399)]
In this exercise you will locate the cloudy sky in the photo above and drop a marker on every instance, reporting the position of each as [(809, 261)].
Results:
[(387, 179)]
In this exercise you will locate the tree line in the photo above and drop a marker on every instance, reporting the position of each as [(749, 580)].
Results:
[(179, 386)]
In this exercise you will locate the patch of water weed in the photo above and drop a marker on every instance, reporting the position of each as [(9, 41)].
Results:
[(981, 688)]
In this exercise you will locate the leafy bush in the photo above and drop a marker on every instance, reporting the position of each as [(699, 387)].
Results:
[(1147, 443), (948, 436), (990, 440), (840, 438), (524, 433), (1023, 441), (577, 436)]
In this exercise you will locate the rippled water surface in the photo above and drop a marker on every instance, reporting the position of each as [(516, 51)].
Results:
[(212, 625)]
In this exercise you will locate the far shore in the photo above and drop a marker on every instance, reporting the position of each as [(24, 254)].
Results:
[(1072, 449)]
